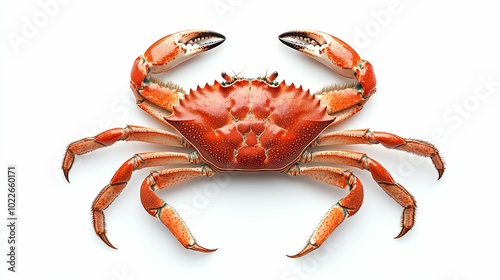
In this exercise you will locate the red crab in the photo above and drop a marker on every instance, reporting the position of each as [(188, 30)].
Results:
[(251, 125)]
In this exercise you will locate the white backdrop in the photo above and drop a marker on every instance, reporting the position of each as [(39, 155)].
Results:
[(65, 75)]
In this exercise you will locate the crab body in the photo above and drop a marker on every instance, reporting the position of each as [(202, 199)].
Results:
[(251, 125)]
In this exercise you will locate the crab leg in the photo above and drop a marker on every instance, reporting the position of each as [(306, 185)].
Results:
[(388, 140), (379, 174), (156, 207), (111, 136), (122, 176), (345, 100), (158, 98), (343, 209)]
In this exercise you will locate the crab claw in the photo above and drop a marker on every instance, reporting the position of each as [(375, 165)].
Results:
[(172, 50), (334, 53), (156, 97), (325, 48), (176, 48)]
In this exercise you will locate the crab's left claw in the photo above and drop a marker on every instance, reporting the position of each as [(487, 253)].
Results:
[(176, 48), (172, 50), (335, 54), (158, 98)]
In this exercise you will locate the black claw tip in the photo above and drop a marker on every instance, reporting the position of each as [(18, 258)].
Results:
[(202, 40), (302, 39)]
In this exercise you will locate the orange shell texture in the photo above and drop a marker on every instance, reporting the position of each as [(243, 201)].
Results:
[(250, 125)]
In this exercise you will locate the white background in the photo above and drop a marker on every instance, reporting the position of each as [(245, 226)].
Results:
[(65, 75)]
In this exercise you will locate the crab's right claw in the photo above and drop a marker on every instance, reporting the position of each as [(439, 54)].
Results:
[(335, 54)]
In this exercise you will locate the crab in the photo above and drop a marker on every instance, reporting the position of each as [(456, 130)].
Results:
[(251, 125)]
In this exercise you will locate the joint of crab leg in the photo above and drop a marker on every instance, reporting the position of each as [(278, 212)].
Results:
[(169, 217), (366, 78), (158, 208), (111, 136), (98, 217), (343, 209), (77, 148), (68, 160), (408, 219)]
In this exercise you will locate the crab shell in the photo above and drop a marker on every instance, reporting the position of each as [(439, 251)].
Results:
[(250, 125)]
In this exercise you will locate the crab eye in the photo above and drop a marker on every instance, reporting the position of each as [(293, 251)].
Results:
[(272, 77), (226, 77), (228, 80)]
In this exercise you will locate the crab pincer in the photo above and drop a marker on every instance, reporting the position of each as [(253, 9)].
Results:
[(163, 55)]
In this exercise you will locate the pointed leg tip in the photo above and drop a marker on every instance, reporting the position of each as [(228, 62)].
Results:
[(402, 233), (104, 238), (307, 249), (66, 175), (440, 173), (67, 163), (196, 247)]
